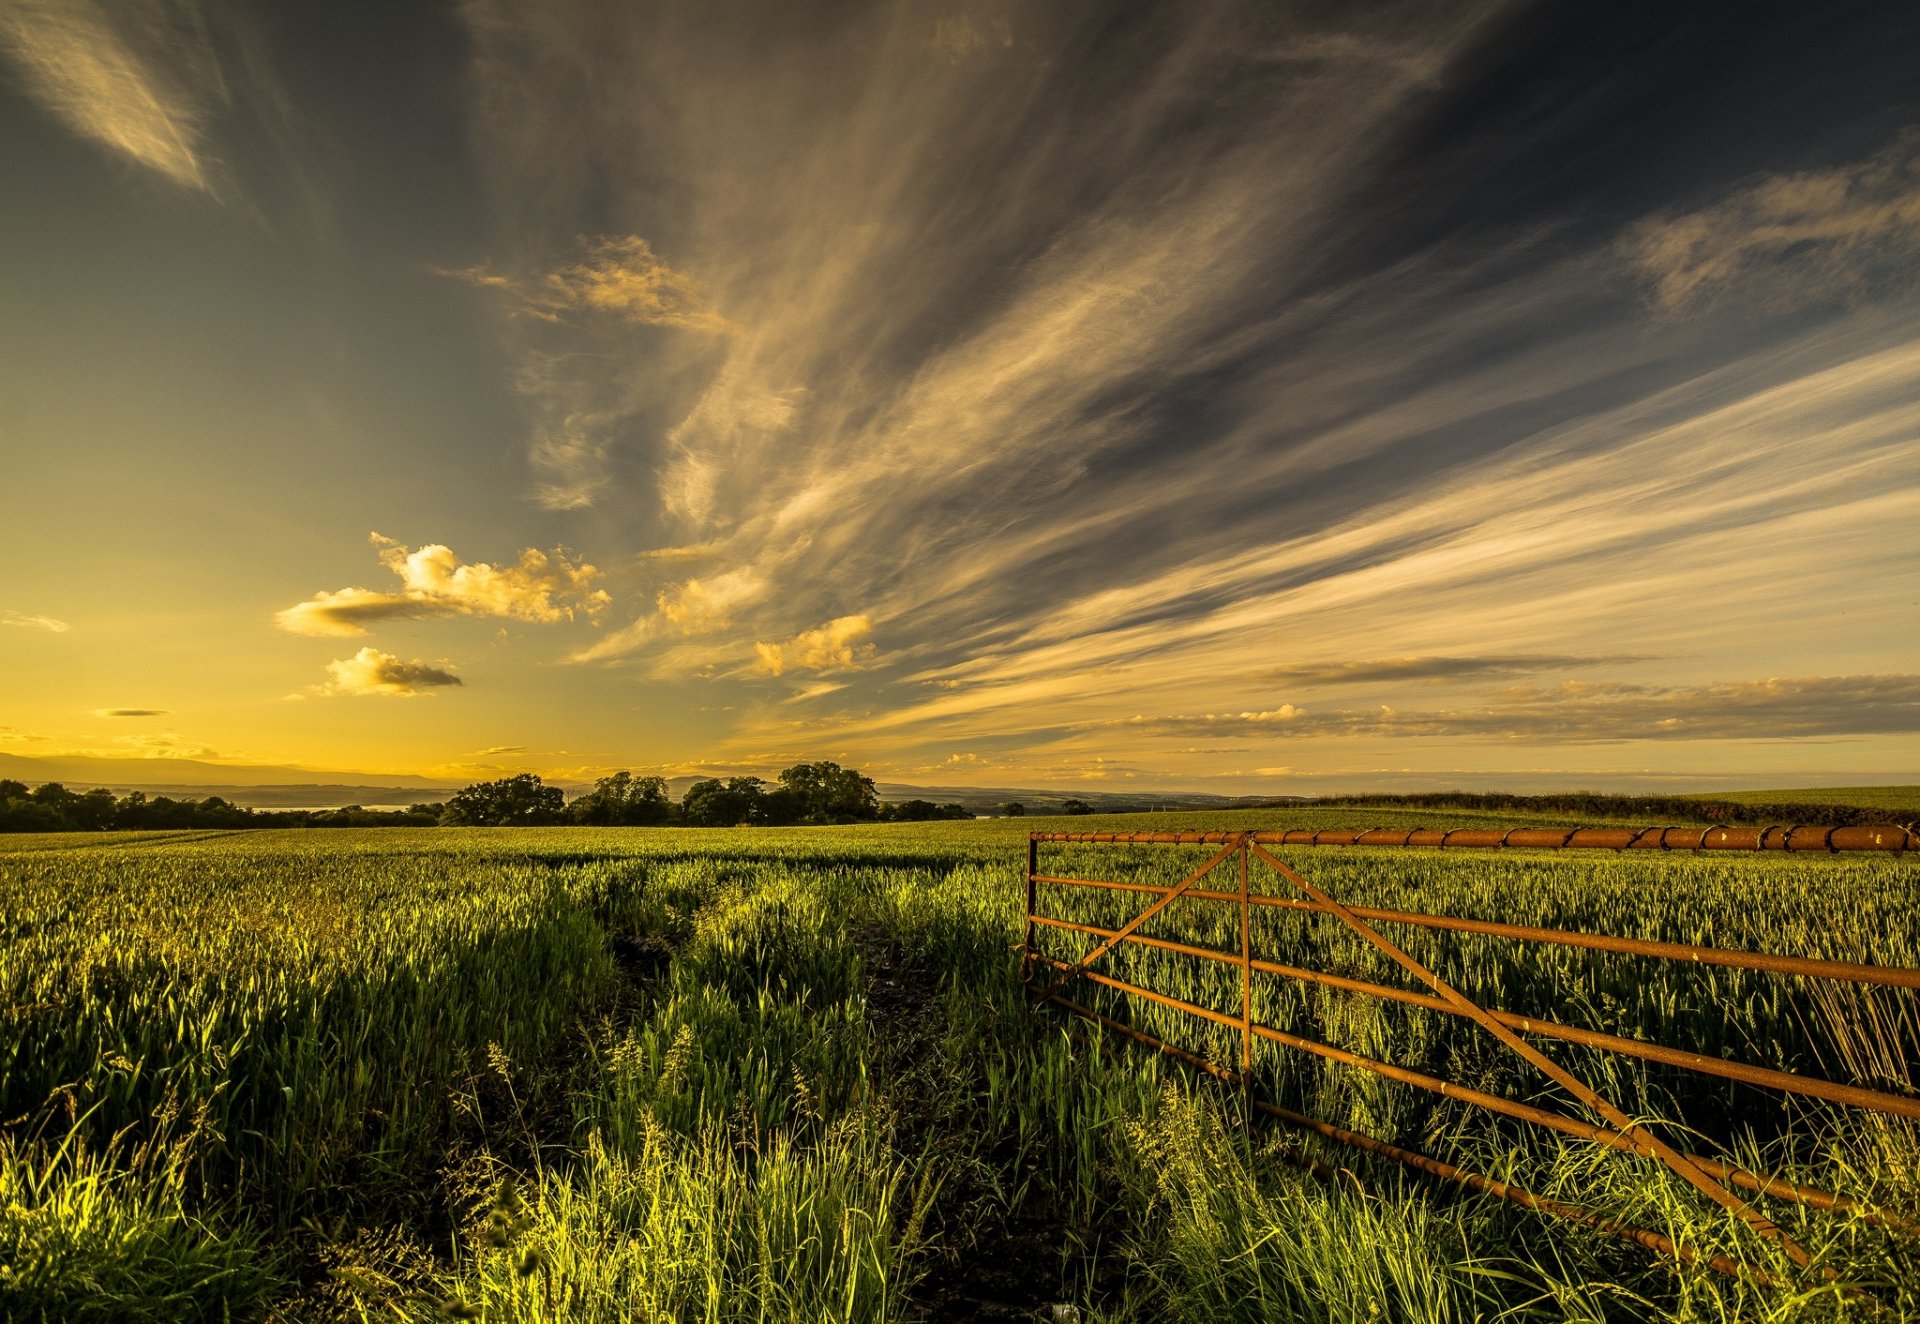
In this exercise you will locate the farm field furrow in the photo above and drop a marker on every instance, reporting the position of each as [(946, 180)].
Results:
[(561, 1074)]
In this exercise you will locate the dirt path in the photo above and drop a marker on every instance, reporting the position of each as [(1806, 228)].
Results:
[(986, 1264)]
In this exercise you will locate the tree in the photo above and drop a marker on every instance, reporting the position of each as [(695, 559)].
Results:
[(94, 811), (923, 811), (1075, 807), (1013, 809), (623, 799), (829, 793), (778, 808), (714, 803), (509, 802)]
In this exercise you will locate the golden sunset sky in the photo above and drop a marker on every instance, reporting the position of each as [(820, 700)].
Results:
[(1236, 397)]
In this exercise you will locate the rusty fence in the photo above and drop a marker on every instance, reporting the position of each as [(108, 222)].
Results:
[(1049, 977)]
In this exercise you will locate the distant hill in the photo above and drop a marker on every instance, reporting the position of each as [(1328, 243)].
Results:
[(1766, 808), (984, 799), (1858, 797), (255, 785)]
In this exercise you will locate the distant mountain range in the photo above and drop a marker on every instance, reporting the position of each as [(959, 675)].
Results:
[(266, 786)]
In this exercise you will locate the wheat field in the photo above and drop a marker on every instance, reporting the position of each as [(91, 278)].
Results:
[(792, 1074)]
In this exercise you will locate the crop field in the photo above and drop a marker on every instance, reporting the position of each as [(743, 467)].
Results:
[(561, 1074), (1868, 797)]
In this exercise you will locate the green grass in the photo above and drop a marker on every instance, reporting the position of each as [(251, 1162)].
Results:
[(1857, 797), (566, 1074)]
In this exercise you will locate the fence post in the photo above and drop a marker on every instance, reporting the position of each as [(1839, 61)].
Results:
[(1246, 983), (1033, 869)]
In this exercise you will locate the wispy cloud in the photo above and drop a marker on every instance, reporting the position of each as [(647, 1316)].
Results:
[(1814, 236), (541, 587), (574, 318), (618, 276), (839, 645), (167, 745), (1085, 363), (21, 620), (1017, 337), (139, 78), (1416, 670), (1609, 534), (1775, 709), (371, 672), (130, 712)]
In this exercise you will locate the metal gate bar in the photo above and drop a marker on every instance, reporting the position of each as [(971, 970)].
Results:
[(1711, 1177), (1851, 972), (1653, 1241), (1852, 1096), (1777, 1187)]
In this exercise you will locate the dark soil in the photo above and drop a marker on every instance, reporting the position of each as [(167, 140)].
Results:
[(1010, 1271), (988, 1264)]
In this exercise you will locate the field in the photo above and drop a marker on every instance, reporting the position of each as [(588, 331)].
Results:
[(1864, 797), (772, 1074)]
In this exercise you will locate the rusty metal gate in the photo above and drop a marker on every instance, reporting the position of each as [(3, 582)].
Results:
[(1714, 1178)]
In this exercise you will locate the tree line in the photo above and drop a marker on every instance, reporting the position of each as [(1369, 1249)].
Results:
[(820, 792), (805, 793), (1641, 808)]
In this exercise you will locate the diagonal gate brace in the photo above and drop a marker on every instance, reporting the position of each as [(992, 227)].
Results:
[(1681, 1165), (1240, 841)]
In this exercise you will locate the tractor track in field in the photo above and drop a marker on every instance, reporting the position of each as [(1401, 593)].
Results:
[(986, 1263)]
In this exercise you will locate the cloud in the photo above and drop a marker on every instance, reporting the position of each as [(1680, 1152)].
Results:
[(1432, 670), (959, 37), (1814, 236), (701, 606), (349, 611), (840, 644), (619, 275), (670, 555), (576, 326), (25, 622), (499, 749), (136, 78), (688, 609), (1779, 708), (541, 587), (372, 672), (1108, 370), (130, 712), (163, 745), (936, 320), (1635, 532)]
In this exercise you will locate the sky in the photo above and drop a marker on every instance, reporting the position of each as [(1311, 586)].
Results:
[(1260, 398)]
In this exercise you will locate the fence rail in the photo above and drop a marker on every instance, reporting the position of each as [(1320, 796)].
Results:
[(1714, 1178), (1892, 838)]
